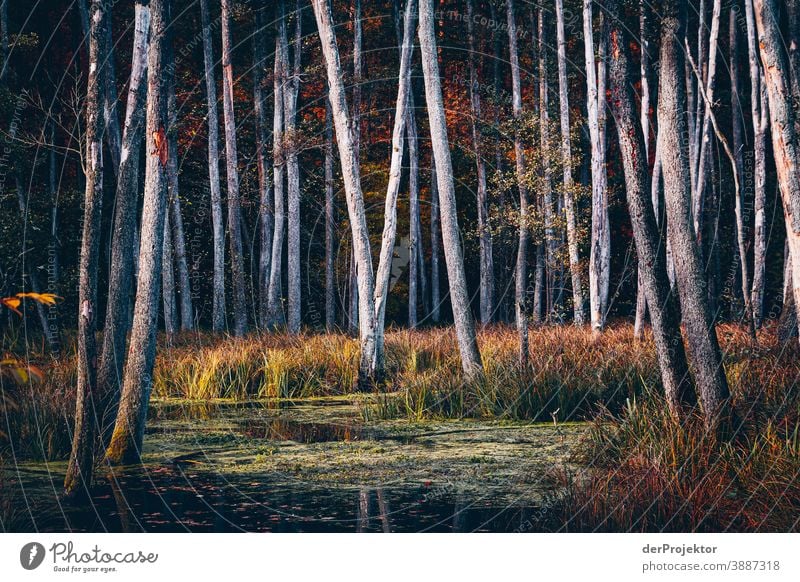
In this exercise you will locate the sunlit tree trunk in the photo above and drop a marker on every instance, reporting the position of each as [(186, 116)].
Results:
[(126, 440), (459, 298), (436, 233), (712, 385), (81, 462), (231, 161)]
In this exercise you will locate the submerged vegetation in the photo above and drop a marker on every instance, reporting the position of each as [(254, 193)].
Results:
[(635, 468)]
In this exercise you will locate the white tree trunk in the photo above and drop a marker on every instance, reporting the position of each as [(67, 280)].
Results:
[(292, 88)]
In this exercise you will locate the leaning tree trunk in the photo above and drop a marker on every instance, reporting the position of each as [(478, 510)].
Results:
[(484, 232), (578, 301), (712, 385), (265, 209), (291, 90), (395, 173), (81, 461), (120, 276), (649, 243), (459, 299), (521, 282), (600, 253), (785, 145), (126, 440), (231, 161), (218, 307), (274, 307), (352, 187)]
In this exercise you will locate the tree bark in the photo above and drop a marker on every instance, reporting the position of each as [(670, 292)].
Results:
[(126, 440), (785, 146), (712, 385), (484, 231), (78, 479), (330, 233), (459, 299), (231, 161), (649, 243), (395, 172), (436, 233), (352, 184), (265, 207), (218, 307), (275, 315), (551, 241), (168, 276), (291, 90), (578, 299), (521, 280), (600, 255)]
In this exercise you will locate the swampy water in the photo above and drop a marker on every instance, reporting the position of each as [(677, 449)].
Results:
[(309, 466)]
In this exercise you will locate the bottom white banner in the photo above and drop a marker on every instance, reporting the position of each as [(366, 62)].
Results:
[(199, 557)]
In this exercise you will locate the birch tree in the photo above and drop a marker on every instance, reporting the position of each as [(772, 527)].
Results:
[(578, 300), (600, 254), (291, 90), (330, 233), (464, 323)]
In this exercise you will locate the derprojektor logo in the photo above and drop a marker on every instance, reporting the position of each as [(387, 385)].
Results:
[(31, 555)]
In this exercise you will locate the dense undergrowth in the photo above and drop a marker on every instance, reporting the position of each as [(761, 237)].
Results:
[(641, 470)]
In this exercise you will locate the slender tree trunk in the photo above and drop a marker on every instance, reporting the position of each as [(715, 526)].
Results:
[(649, 243), (521, 283), (218, 307), (551, 238), (168, 276), (459, 299), (184, 287), (265, 208), (484, 232), (395, 172), (231, 161), (436, 233), (600, 255), (785, 145), (578, 300), (126, 440), (759, 112), (352, 184), (738, 147), (292, 88), (330, 233), (81, 462), (704, 156), (356, 129), (701, 336), (275, 316)]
